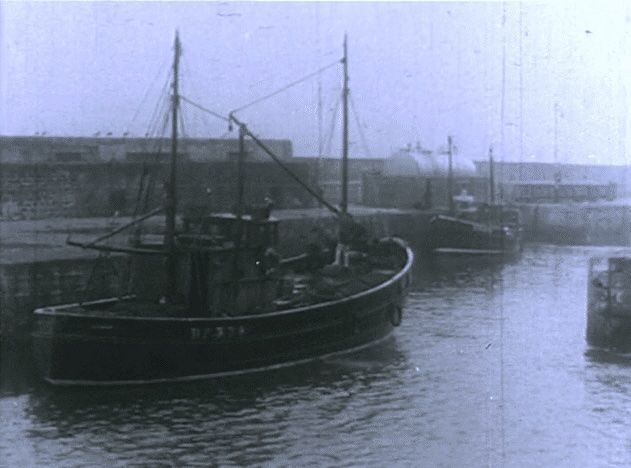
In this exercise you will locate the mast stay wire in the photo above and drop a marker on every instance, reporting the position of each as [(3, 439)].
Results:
[(359, 127), (157, 157), (204, 109), (329, 138), (183, 88), (147, 188), (144, 173), (261, 99), (286, 87), (157, 144), (232, 118), (146, 180), (159, 72), (182, 126), (159, 110), (189, 88), (284, 167)]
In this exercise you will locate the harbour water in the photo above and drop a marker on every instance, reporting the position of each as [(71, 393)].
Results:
[(489, 368)]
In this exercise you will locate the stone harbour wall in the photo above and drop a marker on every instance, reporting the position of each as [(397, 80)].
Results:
[(27, 286), (578, 223), (39, 191)]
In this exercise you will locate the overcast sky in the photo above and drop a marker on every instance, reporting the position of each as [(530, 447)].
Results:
[(419, 72)]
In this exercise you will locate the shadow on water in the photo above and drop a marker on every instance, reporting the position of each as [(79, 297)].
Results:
[(608, 356), (18, 374), (17, 369), (258, 411), (248, 388), (432, 271)]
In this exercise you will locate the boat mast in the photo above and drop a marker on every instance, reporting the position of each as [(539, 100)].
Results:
[(239, 214), (171, 200), (491, 177), (344, 203)]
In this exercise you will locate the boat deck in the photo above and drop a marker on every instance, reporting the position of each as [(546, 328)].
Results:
[(295, 290), (28, 241)]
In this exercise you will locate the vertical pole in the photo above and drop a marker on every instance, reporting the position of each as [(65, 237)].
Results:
[(171, 200), (450, 176), (239, 215), (344, 202), (491, 178)]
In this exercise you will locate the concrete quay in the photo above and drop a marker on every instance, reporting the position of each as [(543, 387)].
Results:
[(592, 223)]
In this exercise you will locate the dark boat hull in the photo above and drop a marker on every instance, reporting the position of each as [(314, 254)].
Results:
[(95, 350), (449, 235)]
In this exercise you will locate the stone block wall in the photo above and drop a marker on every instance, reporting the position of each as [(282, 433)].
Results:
[(27, 286), (36, 191), (577, 223)]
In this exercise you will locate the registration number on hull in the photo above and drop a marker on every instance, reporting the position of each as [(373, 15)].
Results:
[(216, 333)]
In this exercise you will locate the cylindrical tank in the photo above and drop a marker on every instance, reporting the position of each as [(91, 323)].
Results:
[(410, 162)]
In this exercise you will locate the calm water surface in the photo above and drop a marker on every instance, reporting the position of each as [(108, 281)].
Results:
[(489, 368)]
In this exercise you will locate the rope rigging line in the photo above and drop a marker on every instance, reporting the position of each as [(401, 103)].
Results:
[(329, 139), (144, 187), (159, 110), (286, 87), (282, 165), (182, 127), (204, 109), (152, 183), (359, 127), (146, 94), (157, 151), (141, 188), (189, 88)]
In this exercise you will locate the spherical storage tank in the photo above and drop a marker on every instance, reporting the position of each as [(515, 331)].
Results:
[(426, 164)]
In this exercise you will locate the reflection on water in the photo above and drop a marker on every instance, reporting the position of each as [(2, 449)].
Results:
[(489, 368)]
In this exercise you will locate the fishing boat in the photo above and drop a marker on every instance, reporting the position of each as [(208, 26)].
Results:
[(489, 230), (211, 297), (471, 228)]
